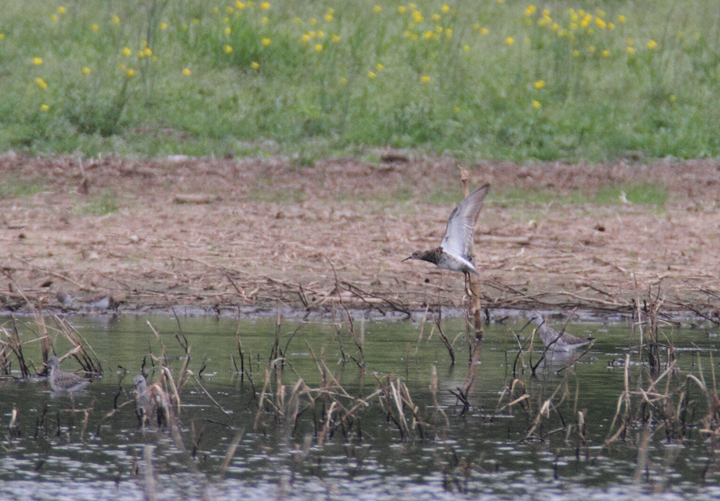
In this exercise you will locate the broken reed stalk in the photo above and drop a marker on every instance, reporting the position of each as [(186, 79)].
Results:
[(149, 476), (445, 340), (475, 310)]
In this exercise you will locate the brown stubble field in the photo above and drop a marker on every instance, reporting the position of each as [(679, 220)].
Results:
[(219, 234)]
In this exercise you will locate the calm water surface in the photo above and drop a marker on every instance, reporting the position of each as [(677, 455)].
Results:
[(74, 448)]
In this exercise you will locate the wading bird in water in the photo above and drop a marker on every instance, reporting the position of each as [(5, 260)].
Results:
[(456, 249), (554, 340), (65, 381)]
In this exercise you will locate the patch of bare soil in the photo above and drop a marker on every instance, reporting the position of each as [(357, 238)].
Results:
[(223, 234)]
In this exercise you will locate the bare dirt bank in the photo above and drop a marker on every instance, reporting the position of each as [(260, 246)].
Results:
[(227, 233)]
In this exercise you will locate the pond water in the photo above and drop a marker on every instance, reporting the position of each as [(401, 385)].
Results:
[(385, 429)]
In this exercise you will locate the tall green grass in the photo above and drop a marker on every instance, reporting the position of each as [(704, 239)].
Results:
[(504, 80)]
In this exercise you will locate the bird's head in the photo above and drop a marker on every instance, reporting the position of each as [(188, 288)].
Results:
[(414, 255), (534, 317)]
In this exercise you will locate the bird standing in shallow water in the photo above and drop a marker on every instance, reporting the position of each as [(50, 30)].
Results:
[(554, 340), (456, 248), (64, 381)]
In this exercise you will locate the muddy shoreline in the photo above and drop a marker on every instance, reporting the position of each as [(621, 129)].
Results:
[(222, 236)]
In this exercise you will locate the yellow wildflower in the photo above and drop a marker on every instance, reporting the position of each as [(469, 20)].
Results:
[(147, 51), (328, 17), (265, 42), (228, 30), (509, 40), (86, 70), (2, 35), (265, 5), (187, 72), (115, 20), (95, 28), (424, 79), (621, 19), (586, 21), (377, 9), (428, 35), (466, 48), (255, 65), (379, 66), (265, 20), (126, 51), (371, 75), (321, 34), (37, 61), (601, 24), (239, 5), (44, 108), (484, 31), (651, 44), (305, 38), (226, 20), (591, 49), (575, 53), (54, 17), (402, 9), (456, 109), (448, 32), (228, 49), (539, 84), (229, 9), (130, 73), (445, 8), (436, 17), (41, 83), (537, 105), (605, 53), (611, 26), (336, 38), (318, 47), (417, 17), (313, 21), (630, 50), (298, 20), (672, 98), (530, 10), (62, 10), (343, 80), (680, 34), (555, 26)]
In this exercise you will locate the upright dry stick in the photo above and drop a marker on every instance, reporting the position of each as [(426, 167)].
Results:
[(476, 306)]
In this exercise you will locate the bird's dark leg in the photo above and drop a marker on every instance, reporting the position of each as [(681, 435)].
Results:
[(468, 291)]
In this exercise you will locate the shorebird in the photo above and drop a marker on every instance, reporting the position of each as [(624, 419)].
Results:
[(554, 340), (456, 248), (64, 381), (150, 402)]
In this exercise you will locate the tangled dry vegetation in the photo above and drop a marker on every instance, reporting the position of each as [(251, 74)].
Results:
[(219, 234)]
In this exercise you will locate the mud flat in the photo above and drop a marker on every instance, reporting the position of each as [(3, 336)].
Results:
[(218, 235)]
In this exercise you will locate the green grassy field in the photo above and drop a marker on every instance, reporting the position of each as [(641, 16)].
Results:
[(498, 79)]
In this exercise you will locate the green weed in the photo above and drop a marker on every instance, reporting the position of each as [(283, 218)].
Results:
[(14, 187), (99, 205)]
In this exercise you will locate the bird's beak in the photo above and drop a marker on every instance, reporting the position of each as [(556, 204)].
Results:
[(409, 257)]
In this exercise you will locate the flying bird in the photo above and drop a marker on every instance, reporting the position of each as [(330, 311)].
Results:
[(456, 248)]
